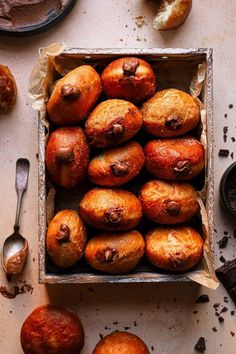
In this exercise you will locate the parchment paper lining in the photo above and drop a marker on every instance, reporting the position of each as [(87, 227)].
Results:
[(52, 65)]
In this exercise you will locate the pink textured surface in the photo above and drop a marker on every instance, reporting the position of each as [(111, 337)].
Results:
[(162, 314)]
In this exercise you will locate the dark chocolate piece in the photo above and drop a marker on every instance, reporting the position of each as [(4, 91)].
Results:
[(223, 153), (231, 106), (202, 299), (216, 305), (221, 319), (200, 346), (227, 275), (222, 259), (225, 130), (225, 309), (223, 242), (233, 139)]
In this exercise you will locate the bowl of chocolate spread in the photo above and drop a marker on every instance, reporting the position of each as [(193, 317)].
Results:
[(228, 189), (22, 17)]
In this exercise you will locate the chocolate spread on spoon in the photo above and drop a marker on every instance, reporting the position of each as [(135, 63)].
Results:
[(16, 262), (27, 12)]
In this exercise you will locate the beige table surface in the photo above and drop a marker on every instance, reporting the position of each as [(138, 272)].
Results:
[(148, 310)]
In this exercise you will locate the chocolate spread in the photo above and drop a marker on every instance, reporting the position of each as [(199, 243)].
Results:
[(15, 13), (16, 262)]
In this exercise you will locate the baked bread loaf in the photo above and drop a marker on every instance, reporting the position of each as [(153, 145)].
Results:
[(115, 253), (7, 88), (112, 122), (121, 343), (170, 113), (116, 166), (172, 14), (168, 202), (66, 238), (110, 209), (131, 79), (177, 248), (52, 330), (74, 96), (67, 156), (175, 159)]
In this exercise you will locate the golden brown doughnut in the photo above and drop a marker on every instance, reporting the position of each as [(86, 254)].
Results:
[(74, 96), (67, 156), (66, 238), (112, 122), (52, 330), (168, 202), (115, 253), (116, 166), (170, 113), (175, 159), (121, 343), (176, 248), (129, 78), (110, 209), (172, 14), (7, 88)]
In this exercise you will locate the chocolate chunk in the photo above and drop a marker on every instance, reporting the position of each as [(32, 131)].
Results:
[(202, 299), (225, 309), (216, 305), (225, 130), (232, 155), (232, 313), (232, 333), (222, 259), (200, 346), (227, 275), (231, 106), (223, 153), (226, 115), (214, 329), (233, 139), (223, 242), (225, 138), (221, 319)]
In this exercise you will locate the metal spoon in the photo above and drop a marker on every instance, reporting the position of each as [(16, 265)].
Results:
[(15, 247)]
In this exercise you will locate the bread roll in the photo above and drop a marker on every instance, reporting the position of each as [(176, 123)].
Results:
[(52, 330), (121, 343), (177, 248), (130, 78), (170, 113), (168, 202), (116, 166), (110, 209), (74, 96), (115, 253), (172, 14), (66, 238), (112, 123), (67, 156), (178, 159), (7, 88)]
